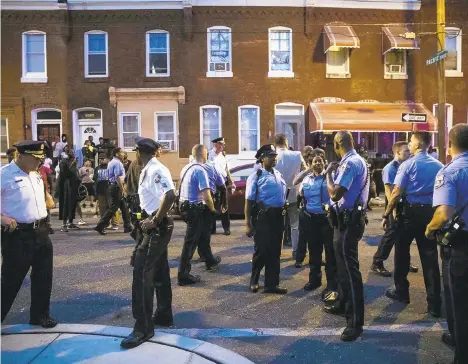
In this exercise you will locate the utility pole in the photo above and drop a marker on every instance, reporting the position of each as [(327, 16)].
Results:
[(441, 112)]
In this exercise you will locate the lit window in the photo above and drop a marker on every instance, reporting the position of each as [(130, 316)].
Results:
[(395, 63), (96, 58), (210, 124), (165, 127), (34, 57), (3, 135), (338, 63), (219, 52), (453, 44), (129, 129), (280, 52), (249, 126), (157, 54)]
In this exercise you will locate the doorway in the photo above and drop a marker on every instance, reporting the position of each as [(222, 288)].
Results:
[(289, 120), (87, 122), (46, 126)]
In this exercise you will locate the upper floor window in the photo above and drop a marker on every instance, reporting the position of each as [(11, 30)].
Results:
[(158, 58), (34, 57), (249, 127), (280, 52), (3, 135), (338, 63), (96, 55), (210, 124), (219, 44), (453, 44), (165, 130), (130, 128), (395, 64)]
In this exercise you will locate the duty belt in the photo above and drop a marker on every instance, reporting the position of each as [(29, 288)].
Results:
[(30, 225)]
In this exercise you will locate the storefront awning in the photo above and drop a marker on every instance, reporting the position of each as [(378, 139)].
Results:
[(394, 38), (376, 117), (339, 36)]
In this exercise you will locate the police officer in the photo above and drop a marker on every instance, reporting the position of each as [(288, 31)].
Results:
[(117, 193), (11, 154), (401, 153), (451, 200), (25, 238), (265, 203), (197, 209), (414, 184), (219, 196), (133, 201), (315, 228), (218, 157), (151, 269), (349, 192)]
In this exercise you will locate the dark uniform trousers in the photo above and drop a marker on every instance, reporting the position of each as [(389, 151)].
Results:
[(455, 278), (115, 202), (150, 273), (350, 286), (21, 250), (268, 237), (387, 242), (225, 218), (318, 234), (413, 226), (198, 234)]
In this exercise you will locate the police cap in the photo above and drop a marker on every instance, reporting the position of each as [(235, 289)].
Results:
[(146, 145), (266, 150), (219, 140), (31, 147)]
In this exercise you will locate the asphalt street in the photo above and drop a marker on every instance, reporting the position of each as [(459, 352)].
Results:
[(92, 284)]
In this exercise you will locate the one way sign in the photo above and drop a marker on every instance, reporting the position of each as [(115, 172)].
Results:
[(414, 118)]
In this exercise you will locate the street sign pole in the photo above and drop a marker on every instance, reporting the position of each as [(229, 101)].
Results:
[(441, 112)]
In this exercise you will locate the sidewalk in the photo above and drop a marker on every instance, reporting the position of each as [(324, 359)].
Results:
[(67, 343)]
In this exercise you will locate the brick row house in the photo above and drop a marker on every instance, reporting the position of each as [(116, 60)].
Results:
[(186, 71)]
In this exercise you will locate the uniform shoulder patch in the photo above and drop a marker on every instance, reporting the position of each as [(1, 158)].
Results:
[(439, 181), (157, 178), (343, 167)]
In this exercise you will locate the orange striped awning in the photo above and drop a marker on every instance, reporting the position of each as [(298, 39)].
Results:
[(393, 38), (338, 36)]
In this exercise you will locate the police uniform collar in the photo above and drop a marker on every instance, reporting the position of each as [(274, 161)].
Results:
[(464, 154), (349, 154)]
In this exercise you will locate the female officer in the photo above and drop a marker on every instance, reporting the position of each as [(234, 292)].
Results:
[(266, 196), (315, 228)]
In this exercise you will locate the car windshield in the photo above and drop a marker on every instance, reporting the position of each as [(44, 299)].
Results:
[(242, 173)]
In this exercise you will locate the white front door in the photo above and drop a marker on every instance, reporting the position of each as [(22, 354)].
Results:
[(89, 130)]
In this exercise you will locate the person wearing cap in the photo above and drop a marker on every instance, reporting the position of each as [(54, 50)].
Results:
[(151, 267), (117, 193), (197, 208), (218, 157), (265, 200), (11, 154), (25, 237)]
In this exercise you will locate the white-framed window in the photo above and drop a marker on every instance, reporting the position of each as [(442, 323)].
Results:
[(338, 63), (34, 57), (4, 143), (395, 64), (219, 47), (166, 129), (249, 129), (96, 54), (280, 52), (158, 54), (210, 124), (130, 128), (453, 44)]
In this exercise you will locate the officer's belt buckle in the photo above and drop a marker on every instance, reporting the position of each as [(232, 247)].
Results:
[(283, 212), (35, 225)]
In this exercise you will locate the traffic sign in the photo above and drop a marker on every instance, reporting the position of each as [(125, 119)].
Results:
[(414, 118), (437, 58)]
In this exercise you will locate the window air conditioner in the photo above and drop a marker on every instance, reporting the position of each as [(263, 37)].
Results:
[(167, 144), (395, 68)]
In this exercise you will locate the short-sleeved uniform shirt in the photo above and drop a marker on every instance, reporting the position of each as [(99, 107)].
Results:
[(155, 182), (417, 176), (220, 162), (389, 172), (214, 177), (116, 170), (22, 194), (314, 189), (352, 174), (271, 188), (195, 180), (451, 186)]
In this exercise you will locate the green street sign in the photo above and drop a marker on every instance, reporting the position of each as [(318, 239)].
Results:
[(437, 58)]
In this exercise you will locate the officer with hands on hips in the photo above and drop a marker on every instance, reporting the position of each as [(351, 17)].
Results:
[(449, 223), (25, 235), (197, 209), (265, 203), (349, 192), (413, 189), (151, 268)]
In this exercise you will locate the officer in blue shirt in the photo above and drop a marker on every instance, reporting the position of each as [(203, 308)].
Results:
[(197, 209), (349, 192), (451, 201), (401, 153), (315, 228), (414, 185), (117, 193), (265, 201)]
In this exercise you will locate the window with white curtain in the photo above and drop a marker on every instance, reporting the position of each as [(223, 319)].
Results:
[(210, 124), (96, 58), (157, 54), (395, 62), (249, 128), (165, 126), (280, 52), (130, 128), (34, 57), (453, 44), (338, 63), (219, 45)]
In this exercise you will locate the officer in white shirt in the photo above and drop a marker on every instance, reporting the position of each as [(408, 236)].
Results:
[(218, 157), (151, 268), (25, 235), (289, 163)]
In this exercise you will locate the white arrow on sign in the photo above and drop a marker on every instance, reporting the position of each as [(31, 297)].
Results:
[(412, 117), (406, 117)]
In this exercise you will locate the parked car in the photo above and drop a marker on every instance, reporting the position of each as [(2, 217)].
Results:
[(236, 200)]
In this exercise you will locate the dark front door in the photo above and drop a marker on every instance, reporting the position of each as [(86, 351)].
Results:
[(48, 132)]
